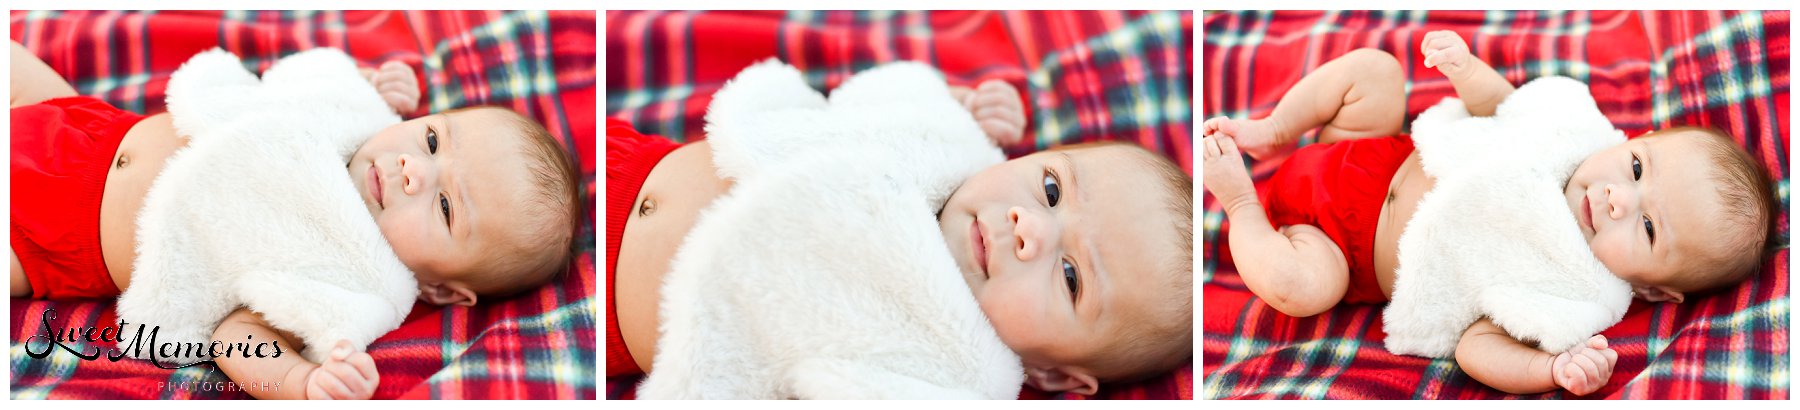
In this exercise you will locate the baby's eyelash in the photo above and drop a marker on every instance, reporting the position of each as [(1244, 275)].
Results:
[(431, 139), (444, 204)]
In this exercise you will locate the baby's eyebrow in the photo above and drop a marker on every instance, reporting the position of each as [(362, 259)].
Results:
[(1074, 174), (1665, 231), (465, 207)]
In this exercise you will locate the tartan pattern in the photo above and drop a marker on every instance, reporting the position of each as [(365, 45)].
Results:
[(539, 344), (1086, 76), (1647, 70)]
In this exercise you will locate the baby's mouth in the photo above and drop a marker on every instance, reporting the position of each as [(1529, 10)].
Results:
[(978, 243), (1587, 214), (374, 184)]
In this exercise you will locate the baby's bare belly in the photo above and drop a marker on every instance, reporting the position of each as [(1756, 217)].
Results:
[(1409, 184), (682, 184), (139, 159)]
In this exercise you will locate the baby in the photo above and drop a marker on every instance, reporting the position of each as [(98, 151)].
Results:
[(476, 202), (1078, 256), (1673, 213)]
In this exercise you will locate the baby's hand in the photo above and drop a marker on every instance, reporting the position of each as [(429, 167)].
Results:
[(1584, 369), (347, 375), (1447, 52), (397, 85), (997, 108)]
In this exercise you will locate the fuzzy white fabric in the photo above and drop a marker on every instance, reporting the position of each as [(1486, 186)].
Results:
[(1495, 237), (258, 210), (822, 273)]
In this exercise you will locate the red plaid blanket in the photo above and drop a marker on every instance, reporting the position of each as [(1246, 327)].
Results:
[(1647, 70), (1087, 76), (537, 345)]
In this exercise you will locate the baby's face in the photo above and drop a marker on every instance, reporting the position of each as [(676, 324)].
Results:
[(1647, 207), (1062, 248), (439, 188)]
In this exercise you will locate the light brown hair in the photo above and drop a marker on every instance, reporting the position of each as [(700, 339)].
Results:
[(1747, 194), (1165, 339), (540, 252)]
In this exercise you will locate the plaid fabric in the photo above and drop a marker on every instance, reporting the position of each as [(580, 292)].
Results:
[(1647, 70), (1087, 76), (536, 345)]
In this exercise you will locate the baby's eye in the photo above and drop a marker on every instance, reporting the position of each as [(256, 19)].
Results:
[(1651, 230), (1072, 279), (444, 204), (1637, 169), (1052, 189), (431, 139)]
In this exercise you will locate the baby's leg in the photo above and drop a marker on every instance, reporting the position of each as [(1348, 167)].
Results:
[(21, 287), (1297, 269), (33, 81), (1361, 94)]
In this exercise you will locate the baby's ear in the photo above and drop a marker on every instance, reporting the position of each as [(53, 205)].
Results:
[(1658, 294), (446, 294), (1055, 379)]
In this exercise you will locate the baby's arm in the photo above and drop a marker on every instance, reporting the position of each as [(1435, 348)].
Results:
[(1498, 360), (1480, 87), (349, 375)]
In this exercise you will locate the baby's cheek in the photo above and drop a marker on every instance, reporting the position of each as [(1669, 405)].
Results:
[(1611, 254), (1012, 318)]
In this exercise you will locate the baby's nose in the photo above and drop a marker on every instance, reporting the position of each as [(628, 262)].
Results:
[(1617, 201), (410, 182), (1027, 233)]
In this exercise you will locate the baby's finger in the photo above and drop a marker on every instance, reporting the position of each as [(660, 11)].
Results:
[(1612, 357), (1570, 378), (1000, 99), (1212, 125), (341, 350), (334, 388), (365, 367), (1003, 132), (1228, 146), (1586, 364), (997, 87), (355, 385), (1431, 59), (395, 86), (1211, 144), (396, 66), (401, 102), (1002, 113), (1597, 342)]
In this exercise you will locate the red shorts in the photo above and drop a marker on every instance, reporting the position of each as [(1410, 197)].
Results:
[(61, 151), (629, 158), (1340, 187)]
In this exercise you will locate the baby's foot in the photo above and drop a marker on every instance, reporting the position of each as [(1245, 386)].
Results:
[(1225, 175), (1447, 52), (1259, 138)]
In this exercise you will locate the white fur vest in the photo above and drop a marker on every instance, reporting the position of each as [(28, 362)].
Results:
[(1495, 237), (258, 210), (822, 273)]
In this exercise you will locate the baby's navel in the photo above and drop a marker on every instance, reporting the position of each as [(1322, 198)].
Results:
[(646, 207), (122, 162)]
